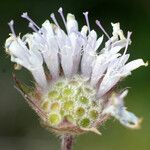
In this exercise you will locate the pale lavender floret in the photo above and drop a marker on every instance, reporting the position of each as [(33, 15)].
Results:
[(32, 60), (51, 55), (102, 62), (107, 55), (117, 70), (70, 46), (117, 109), (47, 45), (66, 52), (100, 65), (89, 50), (112, 75), (89, 54), (50, 49)]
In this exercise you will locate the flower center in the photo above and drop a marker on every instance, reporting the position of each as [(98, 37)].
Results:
[(72, 100)]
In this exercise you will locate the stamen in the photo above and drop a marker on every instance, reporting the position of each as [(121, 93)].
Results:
[(87, 20), (101, 27), (60, 10), (127, 44), (39, 33), (128, 40), (25, 15), (30, 25), (54, 19), (11, 25)]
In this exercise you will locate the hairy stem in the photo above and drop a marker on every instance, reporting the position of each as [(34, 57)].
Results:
[(67, 142)]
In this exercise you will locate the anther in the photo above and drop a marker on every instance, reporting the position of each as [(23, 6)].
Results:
[(25, 15), (101, 27), (11, 25), (54, 19), (60, 10), (87, 20), (30, 25)]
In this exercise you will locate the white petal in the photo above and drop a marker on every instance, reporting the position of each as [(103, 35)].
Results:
[(107, 83), (49, 29), (72, 24), (76, 51), (39, 76), (98, 42), (98, 72), (84, 31), (121, 43), (100, 66), (92, 37), (116, 49), (65, 51), (86, 63), (88, 55), (50, 51), (134, 65)]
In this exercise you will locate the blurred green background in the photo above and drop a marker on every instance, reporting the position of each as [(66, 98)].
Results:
[(19, 125)]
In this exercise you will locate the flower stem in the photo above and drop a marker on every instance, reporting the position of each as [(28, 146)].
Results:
[(67, 142)]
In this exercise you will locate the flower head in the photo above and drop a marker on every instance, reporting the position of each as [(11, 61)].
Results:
[(78, 92)]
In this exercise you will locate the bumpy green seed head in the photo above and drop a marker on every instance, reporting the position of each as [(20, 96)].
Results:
[(72, 101)]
